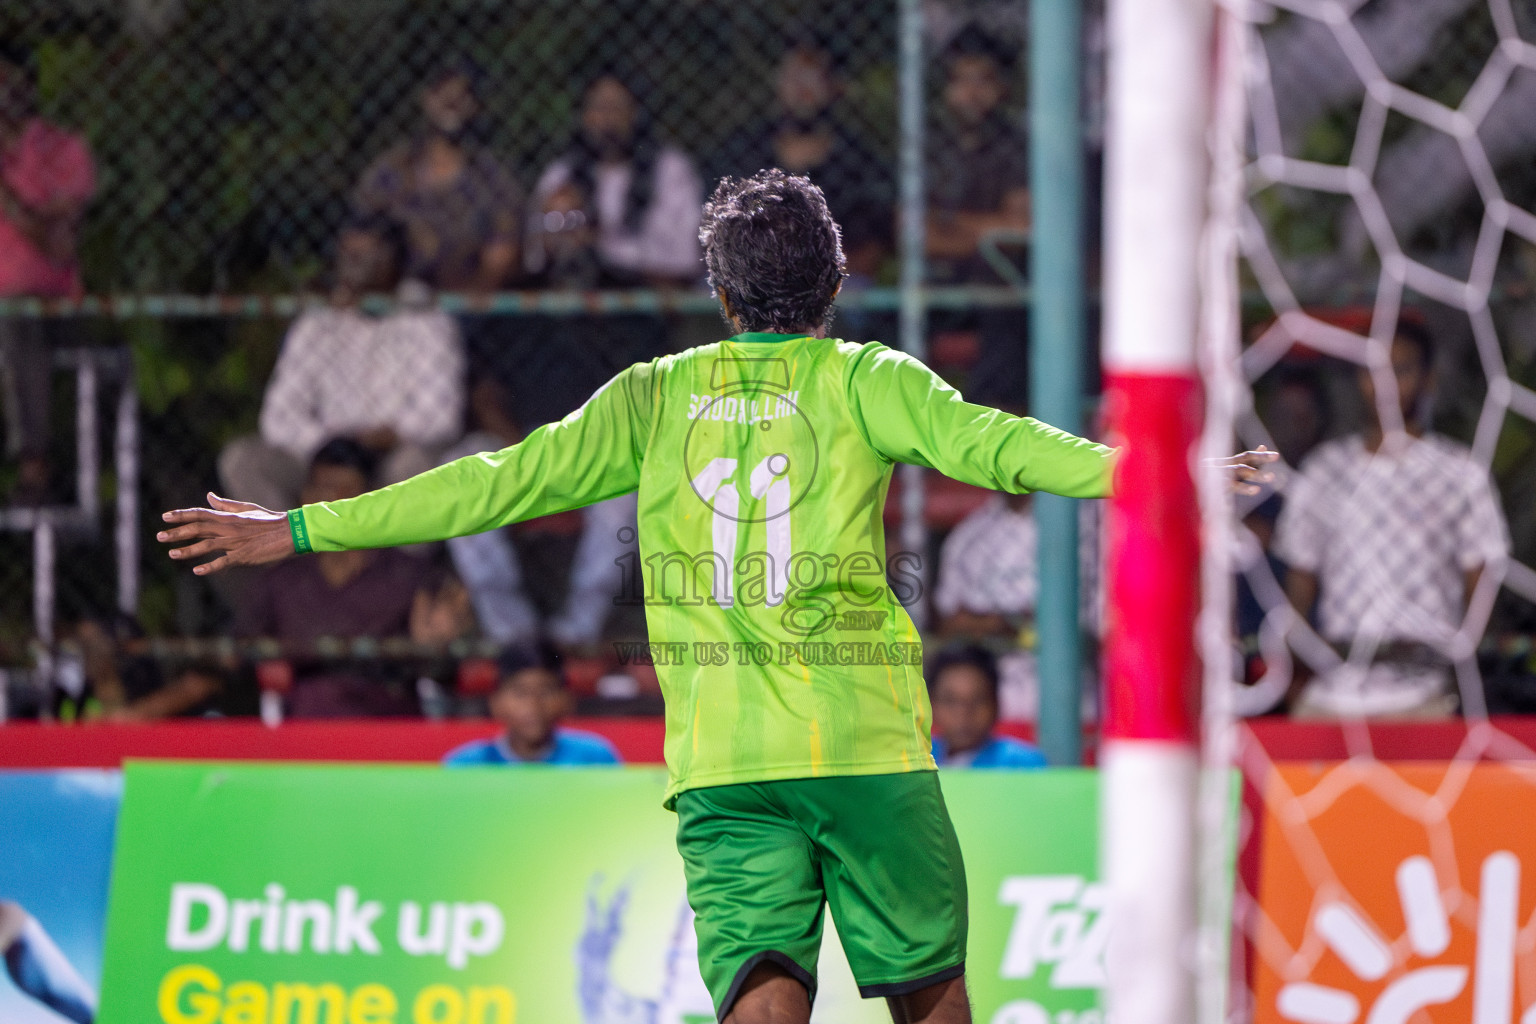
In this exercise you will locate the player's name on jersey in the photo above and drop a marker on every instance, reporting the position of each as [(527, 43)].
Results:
[(809, 652), (749, 408)]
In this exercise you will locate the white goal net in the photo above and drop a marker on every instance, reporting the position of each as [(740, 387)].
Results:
[(1369, 285)]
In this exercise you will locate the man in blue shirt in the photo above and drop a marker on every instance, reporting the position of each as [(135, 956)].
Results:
[(529, 704), (962, 683)]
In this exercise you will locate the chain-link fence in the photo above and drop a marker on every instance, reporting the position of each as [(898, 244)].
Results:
[(230, 138), (245, 166), (513, 191), (502, 198)]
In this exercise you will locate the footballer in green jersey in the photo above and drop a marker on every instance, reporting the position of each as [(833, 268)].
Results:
[(797, 722)]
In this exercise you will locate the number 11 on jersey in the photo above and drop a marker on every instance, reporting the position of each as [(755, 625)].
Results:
[(768, 482)]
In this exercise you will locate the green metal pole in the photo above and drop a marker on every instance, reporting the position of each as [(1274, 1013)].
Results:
[(913, 325), (1056, 332)]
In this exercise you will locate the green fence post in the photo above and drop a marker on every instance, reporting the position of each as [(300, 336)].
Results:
[(1056, 333), (913, 329)]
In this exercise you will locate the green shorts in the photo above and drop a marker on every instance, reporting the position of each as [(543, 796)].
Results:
[(763, 858)]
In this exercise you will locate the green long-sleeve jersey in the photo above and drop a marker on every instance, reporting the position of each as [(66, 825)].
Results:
[(762, 464)]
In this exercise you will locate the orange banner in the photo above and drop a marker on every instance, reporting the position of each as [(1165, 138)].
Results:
[(1397, 893)]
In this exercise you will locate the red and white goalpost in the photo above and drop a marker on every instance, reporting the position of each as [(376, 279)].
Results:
[(1183, 167), (1157, 175)]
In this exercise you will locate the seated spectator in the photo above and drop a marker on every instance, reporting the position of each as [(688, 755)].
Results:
[(620, 207), (1386, 533), (617, 209), (989, 582), (807, 134), (345, 594), (978, 157), (491, 569), (1295, 409), (1293, 405), (128, 687), (392, 382), (869, 245), (978, 183), (461, 207), (46, 179), (530, 704), (962, 683), (989, 570)]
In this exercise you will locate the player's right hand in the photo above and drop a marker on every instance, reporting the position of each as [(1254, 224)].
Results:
[(239, 532), (1245, 471)]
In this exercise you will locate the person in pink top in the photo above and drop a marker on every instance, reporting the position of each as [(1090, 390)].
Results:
[(46, 180)]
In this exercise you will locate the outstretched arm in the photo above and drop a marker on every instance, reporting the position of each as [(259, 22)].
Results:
[(592, 454), (909, 414)]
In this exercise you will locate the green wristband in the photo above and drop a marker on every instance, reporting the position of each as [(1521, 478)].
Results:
[(299, 530)]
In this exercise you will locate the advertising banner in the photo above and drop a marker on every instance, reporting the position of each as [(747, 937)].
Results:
[(376, 895), (1397, 892), (55, 858)]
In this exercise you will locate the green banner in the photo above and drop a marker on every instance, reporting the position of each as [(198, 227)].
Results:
[(258, 894)]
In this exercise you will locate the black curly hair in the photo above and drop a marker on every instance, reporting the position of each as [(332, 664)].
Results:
[(774, 251)]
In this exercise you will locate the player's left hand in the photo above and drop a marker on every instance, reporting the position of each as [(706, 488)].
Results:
[(1246, 471), (239, 532)]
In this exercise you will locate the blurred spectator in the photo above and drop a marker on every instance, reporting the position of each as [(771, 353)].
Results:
[(349, 594), (1250, 611), (978, 159), (530, 704), (869, 243), (989, 569), (962, 683), (1387, 533), (461, 207), (1294, 408), (807, 134), (491, 568), (130, 687), (989, 580), (978, 186), (619, 208), (46, 179), (489, 565), (392, 381)]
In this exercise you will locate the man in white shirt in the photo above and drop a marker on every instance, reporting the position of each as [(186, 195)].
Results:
[(1387, 532), (988, 569), (619, 195), (392, 381), (989, 580)]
